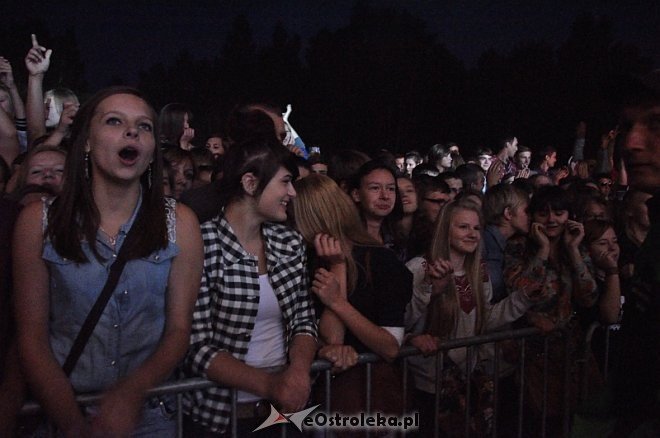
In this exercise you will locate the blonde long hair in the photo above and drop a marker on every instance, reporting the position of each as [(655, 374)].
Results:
[(443, 308), (320, 206)]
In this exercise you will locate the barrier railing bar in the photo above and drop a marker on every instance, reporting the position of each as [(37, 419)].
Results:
[(328, 396), (368, 404), (567, 386), (496, 384), (468, 390), (606, 365), (405, 386), (544, 402), (521, 390), (179, 415), (234, 416), (182, 386), (439, 364)]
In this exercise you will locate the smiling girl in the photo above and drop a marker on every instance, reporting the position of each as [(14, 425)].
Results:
[(254, 327), (549, 263), (451, 299)]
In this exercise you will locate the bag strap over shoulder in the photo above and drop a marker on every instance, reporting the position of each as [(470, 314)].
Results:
[(97, 309)]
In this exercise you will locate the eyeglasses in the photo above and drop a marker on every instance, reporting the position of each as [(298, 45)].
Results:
[(605, 183)]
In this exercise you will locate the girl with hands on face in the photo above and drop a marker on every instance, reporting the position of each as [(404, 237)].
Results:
[(174, 125), (549, 266), (363, 290), (330, 286), (601, 243)]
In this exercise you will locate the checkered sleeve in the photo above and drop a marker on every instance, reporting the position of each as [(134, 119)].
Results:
[(203, 343), (290, 277), (304, 319)]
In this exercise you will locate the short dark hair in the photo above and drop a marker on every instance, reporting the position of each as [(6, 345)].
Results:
[(469, 173), (250, 121), (552, 197), (261, 157), (426, 184)]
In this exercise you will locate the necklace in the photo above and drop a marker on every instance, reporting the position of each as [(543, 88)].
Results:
[(112, 239)]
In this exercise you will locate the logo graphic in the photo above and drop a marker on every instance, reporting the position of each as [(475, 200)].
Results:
[(276, 417)]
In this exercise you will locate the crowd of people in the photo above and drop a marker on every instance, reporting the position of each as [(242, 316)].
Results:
[(133, 254)]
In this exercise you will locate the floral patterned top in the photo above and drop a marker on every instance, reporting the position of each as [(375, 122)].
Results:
[(559, 284)]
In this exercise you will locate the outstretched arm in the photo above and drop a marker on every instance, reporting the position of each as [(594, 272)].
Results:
[(37, 62), (8, 138), (376, 338)]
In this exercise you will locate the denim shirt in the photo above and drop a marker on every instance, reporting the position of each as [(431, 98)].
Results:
[(133, 321)]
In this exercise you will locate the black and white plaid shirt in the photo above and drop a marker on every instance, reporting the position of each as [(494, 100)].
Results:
[(228, 301)]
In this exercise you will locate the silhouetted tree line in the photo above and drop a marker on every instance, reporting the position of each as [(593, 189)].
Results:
[(384, 81)]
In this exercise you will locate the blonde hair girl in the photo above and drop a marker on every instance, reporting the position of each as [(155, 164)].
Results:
[(451, 299)]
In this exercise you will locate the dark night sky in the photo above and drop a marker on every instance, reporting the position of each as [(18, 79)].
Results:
[(123, 37)]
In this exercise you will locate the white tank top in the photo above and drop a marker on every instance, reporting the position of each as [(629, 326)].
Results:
[(266, 346)]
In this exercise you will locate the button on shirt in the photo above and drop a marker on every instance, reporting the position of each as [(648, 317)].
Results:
[(133, 321)]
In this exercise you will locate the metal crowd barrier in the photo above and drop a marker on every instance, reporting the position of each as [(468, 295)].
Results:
[(324, 368)]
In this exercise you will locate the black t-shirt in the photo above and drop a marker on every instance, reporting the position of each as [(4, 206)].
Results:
[(383, 289)]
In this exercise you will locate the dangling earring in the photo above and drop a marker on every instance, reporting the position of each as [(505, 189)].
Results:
[(87, 166), (149, 175)]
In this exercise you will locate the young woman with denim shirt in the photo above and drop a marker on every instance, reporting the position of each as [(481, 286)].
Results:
[(144, 329)]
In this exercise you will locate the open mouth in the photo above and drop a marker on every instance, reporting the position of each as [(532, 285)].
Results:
[(128, 153)]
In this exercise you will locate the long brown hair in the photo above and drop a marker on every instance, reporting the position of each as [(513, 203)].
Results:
[(74, 215), (321, 206), (443, 308)]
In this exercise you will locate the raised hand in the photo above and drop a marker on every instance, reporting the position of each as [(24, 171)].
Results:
[(438, 274), (537, 234), (37, 60), (329, 249), (573, 234), (186, 138), (6, 73), (607, 260), (495, 173), (523, 173), (69, 111), (561, 174)]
